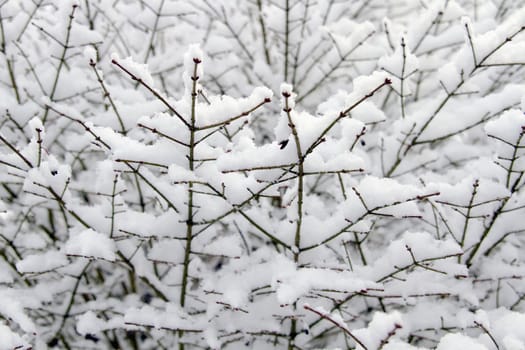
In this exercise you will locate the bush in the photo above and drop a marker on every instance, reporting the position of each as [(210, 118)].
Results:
[(152, 199)]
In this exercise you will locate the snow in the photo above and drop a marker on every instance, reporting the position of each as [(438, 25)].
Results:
[(512, 343), (39, 263), (228, 245), (138, 223), (89, 323), (482, 318), (450, 76), (139, 70), (423, 247), (364, 85), (198, 226), (81, 35), (508, 326), (91, 244), (167, 251), (509, 126), (172, 318), (35, 124), (222, 108), (368, 112), (180, 174), (90, 54), (382, 327), (401, 64), (342, 161), (12, 308), (10, 340), (50, 175), (5, 275), (291, 284), (460, 194), (385, 196), (453, 341), (347, 35), (212, 339), (400, 345)]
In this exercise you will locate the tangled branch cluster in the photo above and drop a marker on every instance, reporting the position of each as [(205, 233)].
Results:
[(310, 174)]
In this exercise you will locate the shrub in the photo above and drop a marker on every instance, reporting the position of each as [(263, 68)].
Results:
[(325, 174)]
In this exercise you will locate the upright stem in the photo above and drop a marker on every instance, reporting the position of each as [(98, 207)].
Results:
[(286, 38), (151, 46), (263, 33), (108, 96), (9, 63), (61, 61), (189, 217), (113, 211), (71, 301), (467, 215), (402, 78), (513, 188), (300, 192)]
